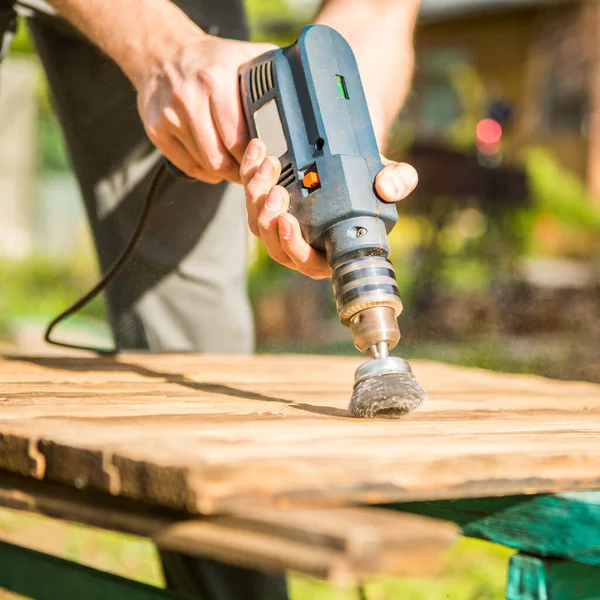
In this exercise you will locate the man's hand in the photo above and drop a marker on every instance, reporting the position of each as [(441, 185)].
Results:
[(186, 80), (267, 205), (190, 106), (380, 33)]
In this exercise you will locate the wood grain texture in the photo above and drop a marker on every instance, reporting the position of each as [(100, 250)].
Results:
[(211, 434), (342, 545)]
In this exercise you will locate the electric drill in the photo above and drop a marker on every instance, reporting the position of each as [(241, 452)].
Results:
[(306, 102)]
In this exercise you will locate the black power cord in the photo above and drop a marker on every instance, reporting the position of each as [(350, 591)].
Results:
[(114, 269)]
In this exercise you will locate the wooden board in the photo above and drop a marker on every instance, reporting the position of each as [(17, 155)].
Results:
[(342, 545), (215, 434)]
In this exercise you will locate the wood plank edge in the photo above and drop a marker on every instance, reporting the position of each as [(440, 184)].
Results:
[(231, 540)]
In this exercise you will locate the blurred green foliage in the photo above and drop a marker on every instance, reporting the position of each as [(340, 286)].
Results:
[(557, 191), (561, 202), (272, 21), (22, 42), (39, 288), (474, 248), (471, 92), (473, 570), (264, 274), (52, 153)]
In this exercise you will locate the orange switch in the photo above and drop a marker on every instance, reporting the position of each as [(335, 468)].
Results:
[(311, 180)]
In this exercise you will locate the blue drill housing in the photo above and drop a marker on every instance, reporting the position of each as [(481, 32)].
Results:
[(323, 126)]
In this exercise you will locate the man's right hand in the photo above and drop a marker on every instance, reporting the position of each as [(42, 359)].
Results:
[(190, 106), (186, 80)]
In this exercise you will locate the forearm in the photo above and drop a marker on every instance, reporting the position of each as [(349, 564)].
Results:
[(381, 35), (131, 32)]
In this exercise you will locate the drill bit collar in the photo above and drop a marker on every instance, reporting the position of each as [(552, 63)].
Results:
[(381, 366)]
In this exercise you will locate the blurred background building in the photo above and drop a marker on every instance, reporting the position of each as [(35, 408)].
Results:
[(498, 250)]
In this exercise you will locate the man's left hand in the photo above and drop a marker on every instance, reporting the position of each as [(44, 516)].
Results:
[(267, 205)]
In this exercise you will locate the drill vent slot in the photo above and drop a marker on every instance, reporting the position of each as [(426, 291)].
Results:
[(261, 80), (288, 176)]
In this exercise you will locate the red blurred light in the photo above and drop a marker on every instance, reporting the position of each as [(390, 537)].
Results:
[(489, 132)]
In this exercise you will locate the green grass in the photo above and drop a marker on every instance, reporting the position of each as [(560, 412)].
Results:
[(40, 288), (472, 570)]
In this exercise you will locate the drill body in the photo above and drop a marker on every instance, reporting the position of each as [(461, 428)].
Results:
[(306, 102)]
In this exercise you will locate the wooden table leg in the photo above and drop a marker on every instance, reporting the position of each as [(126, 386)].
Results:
[(534, 578)]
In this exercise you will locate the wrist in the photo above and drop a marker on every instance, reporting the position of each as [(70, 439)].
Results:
[(152, 56), (386, 94)]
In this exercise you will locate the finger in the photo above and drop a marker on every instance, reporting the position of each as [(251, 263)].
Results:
[(258, 187), (172, 148), (195, 107), (276, 203), (308, 261), (175, 152), (395, 181), (228, 116), (178, 126), (253, 157)]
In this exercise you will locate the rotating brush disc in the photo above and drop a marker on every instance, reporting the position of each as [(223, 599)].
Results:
[(385, 388)]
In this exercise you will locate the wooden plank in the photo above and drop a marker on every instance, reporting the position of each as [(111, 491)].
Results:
[(533, 578), (356, 544), (208, 434), (85, 507), (342, 545), (45, 577), (528, 523)]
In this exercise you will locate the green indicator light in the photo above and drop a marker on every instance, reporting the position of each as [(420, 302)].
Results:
[(341, 84)]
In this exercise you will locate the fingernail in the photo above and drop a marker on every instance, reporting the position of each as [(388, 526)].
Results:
[(265, 168), (285, 227), (274, 200), (253, 150)]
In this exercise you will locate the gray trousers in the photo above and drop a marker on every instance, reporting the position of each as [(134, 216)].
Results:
[(185, 287)]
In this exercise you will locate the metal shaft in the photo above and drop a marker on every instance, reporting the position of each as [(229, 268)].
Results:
[(380, 350)]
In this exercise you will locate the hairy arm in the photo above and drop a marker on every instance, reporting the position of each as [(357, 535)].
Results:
[(186, 79), (134, 33), (381, 35)]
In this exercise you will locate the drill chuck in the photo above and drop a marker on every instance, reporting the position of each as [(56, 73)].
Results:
[(368, 302)]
